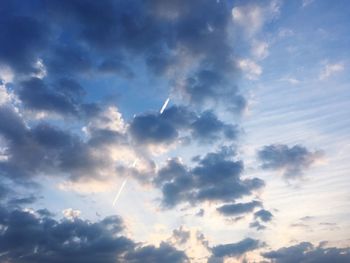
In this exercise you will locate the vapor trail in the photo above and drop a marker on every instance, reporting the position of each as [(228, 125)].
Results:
[(164, 105), (120, 191), (122, 186)]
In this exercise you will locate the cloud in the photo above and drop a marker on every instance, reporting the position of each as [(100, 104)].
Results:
[(210, 88), (260, 49), (214, 178), (251, 69), (330, 70), (71, 38), (181, 236), (23, 38), (236, 249), (165, 128), (260, 217), (292, 161), (239, 208), (306, 3), (71, 214), (306, 252), (252, 17), (46, 149), (37, 237), (263, 215)]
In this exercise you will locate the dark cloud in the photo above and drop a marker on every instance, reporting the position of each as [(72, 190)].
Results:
[(215, 178), (167, 127), (22, 201), (293, 161), (211, 87), (239, 208), (257, 225), (263, 215), (37, 237), (116, 66), (23, 36), (45, 149), (74, 36), (65, 98), (236, 249), (164, 253), (305, 252), (181, 236), (208, 128)]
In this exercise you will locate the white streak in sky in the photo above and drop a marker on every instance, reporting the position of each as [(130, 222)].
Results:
[(164, 105), (122, 186), (119, 192)]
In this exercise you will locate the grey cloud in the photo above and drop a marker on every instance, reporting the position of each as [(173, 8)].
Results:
[(73, 37), (292, 160), (166, 128), (263, 215), (44, 148), (215, 177), (181, 235), (257, 225), (236, 249), (305, 252), (64, 99), (239, 208), (37, 237)]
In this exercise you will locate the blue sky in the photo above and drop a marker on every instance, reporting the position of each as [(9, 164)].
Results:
[(249, 161)]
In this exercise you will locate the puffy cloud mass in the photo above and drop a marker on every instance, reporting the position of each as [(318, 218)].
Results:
[(154, 128), (292, 161), (216, 177), (306, 252), (239, 208), (235, 249), (28, 236)]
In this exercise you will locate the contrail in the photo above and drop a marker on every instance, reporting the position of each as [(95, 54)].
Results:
[(164, 105), (120, 191), (122, 186), (134, 164)]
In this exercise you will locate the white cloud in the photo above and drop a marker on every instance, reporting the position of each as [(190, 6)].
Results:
[(305, 3), (41, 69), (6, 74), (331, 69), (252, 17), (70, 214), (110, 119), (291, 80), (260, 49), (251, 69), (285, 32)]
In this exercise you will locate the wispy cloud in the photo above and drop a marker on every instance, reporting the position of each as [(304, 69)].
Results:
[(331, 69)]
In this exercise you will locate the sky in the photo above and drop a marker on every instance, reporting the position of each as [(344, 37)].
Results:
[(202, 131)]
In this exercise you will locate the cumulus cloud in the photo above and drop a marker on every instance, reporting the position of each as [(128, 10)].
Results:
[(216, 177), (292, 161), (165, 128), (307, 252), (38, 237), (45, 149), (235, 249), (71, 214)]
